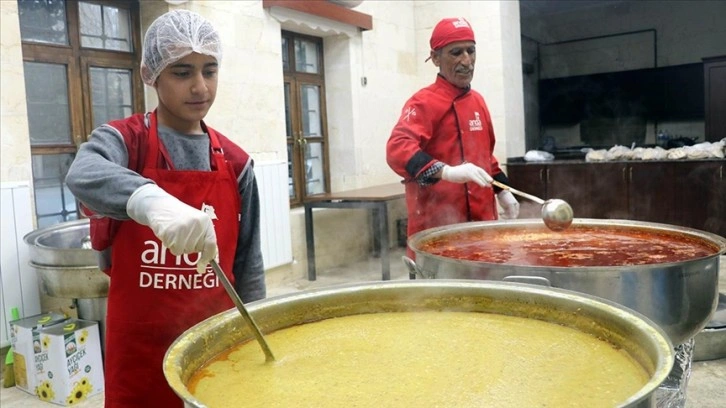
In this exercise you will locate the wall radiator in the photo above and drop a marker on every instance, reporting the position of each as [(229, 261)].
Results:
[(272, 181), (19, 281)]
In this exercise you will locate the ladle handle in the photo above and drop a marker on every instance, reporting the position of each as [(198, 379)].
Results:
[(243, 310), (517, 192)]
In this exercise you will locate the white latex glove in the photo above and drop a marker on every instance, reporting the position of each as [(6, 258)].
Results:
[(509, 204), (466, 172), (181, 228)]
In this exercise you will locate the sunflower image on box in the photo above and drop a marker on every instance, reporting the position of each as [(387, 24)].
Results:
[(74, 369)]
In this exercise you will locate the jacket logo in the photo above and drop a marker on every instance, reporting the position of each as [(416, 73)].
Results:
[(475, 124), (408, 113), (209, 210)]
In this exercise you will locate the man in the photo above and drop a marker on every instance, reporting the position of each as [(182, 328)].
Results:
[(170, 194), (443, 142)]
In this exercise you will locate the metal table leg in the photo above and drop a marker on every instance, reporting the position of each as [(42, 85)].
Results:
[(382, 233), (310, 242)]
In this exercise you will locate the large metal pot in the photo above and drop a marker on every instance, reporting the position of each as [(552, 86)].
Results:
[(63, 244), (680, 297), (66, 265), (624, 328)]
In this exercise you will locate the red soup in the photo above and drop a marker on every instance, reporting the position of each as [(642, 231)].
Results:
[(577, 246)]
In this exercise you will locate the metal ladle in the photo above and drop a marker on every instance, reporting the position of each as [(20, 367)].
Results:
[(556, 214), (243, 310)]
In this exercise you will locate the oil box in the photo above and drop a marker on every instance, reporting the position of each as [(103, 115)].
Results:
[(74, 369), (29, 360)]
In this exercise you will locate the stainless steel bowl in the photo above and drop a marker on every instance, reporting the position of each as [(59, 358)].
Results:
[(607, 320), (65, 263), (680, 297), (62, 244)]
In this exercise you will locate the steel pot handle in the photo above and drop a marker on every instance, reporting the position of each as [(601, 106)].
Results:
[(534, 280), (413, 269)]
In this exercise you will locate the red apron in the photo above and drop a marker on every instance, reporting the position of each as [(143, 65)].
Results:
[(155, 296)]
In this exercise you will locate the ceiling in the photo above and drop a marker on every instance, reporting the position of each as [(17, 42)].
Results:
[(532, 8)]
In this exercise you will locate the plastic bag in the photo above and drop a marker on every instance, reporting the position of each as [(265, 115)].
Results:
[(619, 152), (596, 155), (655, 153), (538, 155)]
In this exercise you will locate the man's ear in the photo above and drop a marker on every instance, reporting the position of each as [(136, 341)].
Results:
[(434, 55)]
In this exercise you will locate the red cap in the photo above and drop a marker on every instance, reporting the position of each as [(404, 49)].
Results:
[(451, 30)]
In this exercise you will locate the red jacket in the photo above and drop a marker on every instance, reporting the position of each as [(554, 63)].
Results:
[(448, 124)]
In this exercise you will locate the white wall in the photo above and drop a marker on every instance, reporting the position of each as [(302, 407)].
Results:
[(14, 136)]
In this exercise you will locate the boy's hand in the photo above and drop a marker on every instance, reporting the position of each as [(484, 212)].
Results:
[(181, 228)]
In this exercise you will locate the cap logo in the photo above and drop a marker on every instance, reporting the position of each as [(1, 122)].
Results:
[(460, 23)]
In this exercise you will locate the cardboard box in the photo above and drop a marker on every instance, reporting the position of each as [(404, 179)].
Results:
[(74, 369), (28, 355)]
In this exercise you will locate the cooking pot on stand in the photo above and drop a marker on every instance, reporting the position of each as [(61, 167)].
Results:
[(680, 296), (625, 329)]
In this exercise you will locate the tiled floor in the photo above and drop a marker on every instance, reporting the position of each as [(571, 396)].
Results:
[(706, 389)]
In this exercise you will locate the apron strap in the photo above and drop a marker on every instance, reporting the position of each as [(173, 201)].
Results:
[(156, 148), (217, 162)]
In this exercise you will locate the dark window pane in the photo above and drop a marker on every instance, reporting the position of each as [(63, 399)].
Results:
[(105, 27), (43, 21), (307, 56), (290, 172), (110, 94), (54, 202), (310, 104), (288, 111), (46, 88), (285, 55), (314, 170)]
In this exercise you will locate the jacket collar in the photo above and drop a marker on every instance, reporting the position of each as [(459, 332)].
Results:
[(450, 89)]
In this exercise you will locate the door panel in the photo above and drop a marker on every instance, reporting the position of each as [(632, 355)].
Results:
[(651, 192), (571, 182), (697, 201), (305, 117), (608, 184)]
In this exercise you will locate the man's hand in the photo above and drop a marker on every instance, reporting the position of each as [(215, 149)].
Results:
[(181, 228), (465, 173), (509, 204)]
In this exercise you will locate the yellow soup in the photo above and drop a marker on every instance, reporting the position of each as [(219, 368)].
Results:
[(422, 359)]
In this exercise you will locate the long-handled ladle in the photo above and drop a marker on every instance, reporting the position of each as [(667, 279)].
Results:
[(243, 310), (556, 214)]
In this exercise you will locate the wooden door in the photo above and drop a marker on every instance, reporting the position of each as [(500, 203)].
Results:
[(650, 191), (608, 183), (571, 182), (699, 201)]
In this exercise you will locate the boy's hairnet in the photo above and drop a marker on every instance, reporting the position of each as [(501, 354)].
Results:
[(173, 36)]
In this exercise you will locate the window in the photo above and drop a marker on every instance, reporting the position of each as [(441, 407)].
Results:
[(305, 118), (80, 60)]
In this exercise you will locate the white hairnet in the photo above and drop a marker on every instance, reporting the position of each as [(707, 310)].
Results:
[(173, 36)]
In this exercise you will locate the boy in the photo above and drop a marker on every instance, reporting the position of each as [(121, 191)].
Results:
[(169, 194)]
